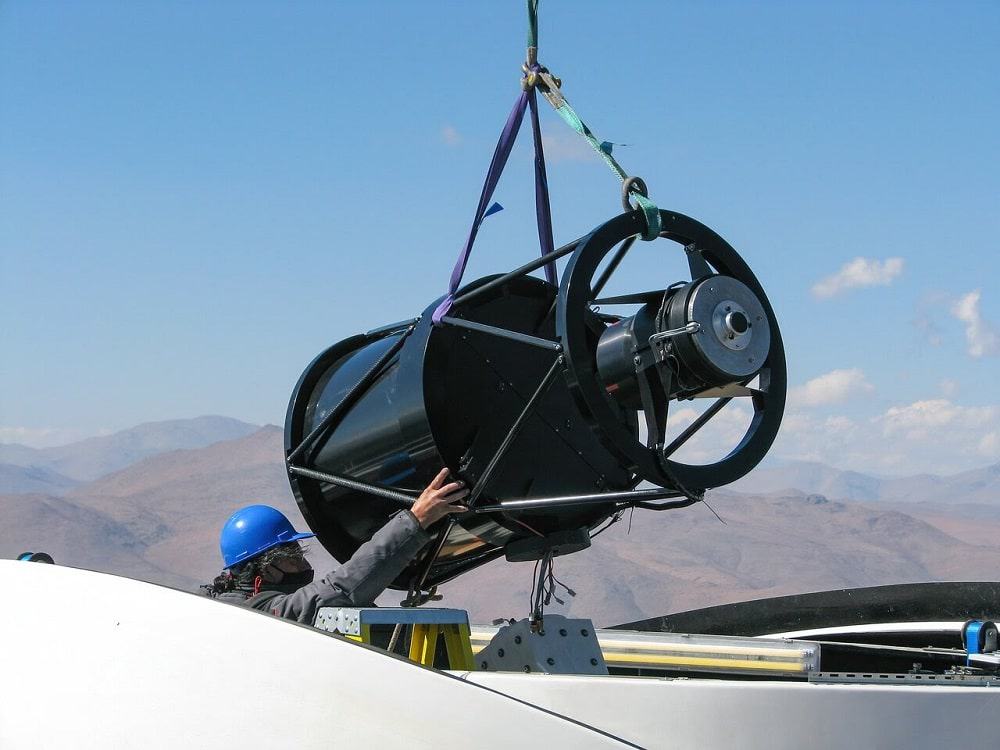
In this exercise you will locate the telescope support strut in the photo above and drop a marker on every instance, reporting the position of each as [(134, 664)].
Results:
[(524, 338)]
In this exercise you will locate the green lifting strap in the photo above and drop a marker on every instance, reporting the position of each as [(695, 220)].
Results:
[(649, 209), (533, 24), (549, 86)]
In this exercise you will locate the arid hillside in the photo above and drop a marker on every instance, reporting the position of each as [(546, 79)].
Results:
[(158, 519)]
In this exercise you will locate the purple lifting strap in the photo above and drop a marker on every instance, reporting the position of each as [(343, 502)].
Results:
[(542, 209)]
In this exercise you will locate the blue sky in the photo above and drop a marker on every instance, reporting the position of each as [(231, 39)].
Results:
[(199, 197)]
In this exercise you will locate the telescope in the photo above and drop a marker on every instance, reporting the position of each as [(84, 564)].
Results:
[(553, 411)]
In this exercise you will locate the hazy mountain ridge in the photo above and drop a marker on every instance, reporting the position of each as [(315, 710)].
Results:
[(769, 546), (78, 536), (176, 502), (159, 520), (977, 486), (89, 459), (33, 479)]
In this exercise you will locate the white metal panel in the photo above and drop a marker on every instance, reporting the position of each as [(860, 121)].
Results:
[(765, 715), (97, 661)]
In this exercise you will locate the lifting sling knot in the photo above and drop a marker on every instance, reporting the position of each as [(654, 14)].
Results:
[(538, 76)]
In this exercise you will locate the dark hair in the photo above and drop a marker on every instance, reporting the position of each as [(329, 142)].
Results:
[(242, 576)]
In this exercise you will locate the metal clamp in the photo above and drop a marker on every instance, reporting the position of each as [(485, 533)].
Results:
[(692, 327)]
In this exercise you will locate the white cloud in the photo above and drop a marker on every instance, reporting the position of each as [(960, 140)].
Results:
[(933, 436), (450, 136), (936, 419), (713, 441), (832, 388), (860, 272), (980, 335), (567, 146)]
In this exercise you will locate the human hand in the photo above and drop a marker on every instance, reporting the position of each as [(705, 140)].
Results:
[(439, 499)]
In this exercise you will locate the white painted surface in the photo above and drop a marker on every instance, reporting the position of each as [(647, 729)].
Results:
[(743, 715), (96, 661), (874, 627)]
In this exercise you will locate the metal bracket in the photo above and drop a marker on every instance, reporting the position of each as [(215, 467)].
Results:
[(692, 327)]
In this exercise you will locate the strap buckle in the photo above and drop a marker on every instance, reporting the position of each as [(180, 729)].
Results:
[(538, 76)]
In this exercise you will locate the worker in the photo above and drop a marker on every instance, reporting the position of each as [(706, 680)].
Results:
[(266, 569)]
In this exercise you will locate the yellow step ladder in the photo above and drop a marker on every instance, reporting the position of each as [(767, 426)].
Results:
[(426, 627)]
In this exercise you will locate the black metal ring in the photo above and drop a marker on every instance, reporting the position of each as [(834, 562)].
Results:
[(630, 185), (572, 316)]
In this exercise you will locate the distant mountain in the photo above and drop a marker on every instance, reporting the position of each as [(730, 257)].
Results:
[(94, 457), (979, 486), (770, 545), (176, 502), (77, 536), (33, 479), (159, 520)]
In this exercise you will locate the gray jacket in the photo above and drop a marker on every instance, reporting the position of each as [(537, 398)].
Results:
[(357, 582)]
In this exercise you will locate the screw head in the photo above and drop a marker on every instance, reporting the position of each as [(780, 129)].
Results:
[(500, 653), (593, 662), (517, 639), (483, 665), (550, 661), (562, 631), (584, 632), (527, 668)]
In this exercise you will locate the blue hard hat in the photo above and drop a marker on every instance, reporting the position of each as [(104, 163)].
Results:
[(253, 530)]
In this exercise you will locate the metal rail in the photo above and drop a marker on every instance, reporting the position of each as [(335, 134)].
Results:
[(402, 498), (351, 395), (524, 338), (626, 497), (517, 273)]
